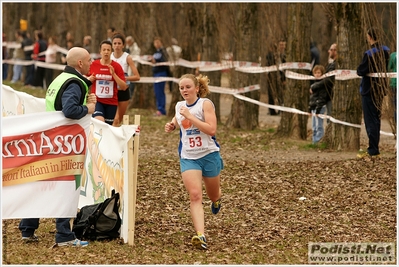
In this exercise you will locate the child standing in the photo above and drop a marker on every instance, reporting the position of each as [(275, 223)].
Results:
[(317, 103)]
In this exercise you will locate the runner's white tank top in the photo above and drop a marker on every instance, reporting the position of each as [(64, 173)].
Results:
[(122, 60), (194, 144)]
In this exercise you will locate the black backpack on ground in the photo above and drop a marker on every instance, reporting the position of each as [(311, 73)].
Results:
[(99, 221)]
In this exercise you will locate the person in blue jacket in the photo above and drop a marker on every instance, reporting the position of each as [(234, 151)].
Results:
[(373, 89), (160, 71)]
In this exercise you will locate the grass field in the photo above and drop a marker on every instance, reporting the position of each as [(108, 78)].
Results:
[(262, 220)]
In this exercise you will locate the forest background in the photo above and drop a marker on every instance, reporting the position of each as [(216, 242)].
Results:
[(209, 31)]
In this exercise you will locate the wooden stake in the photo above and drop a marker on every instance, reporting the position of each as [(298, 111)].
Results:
[(133, 154)]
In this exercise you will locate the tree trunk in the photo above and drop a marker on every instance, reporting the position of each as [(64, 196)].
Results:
[(143, 96), (243, 114), (210, 51), (346, 100), (274, 29), (296, 94), (177, 70)]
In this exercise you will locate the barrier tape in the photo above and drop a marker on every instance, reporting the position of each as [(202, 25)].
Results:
[(16, 45), (241, 66), (283, 66), (244, 67), (201, 65), (339, 75), (230, 91), (213, 89), (50, 65), (297, 111), (157, 80)]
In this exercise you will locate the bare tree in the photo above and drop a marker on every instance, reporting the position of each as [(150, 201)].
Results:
[(274, 30), (296, 94), (244, 114), (210, 49), (143, 92), (191, 45), (346, 93)]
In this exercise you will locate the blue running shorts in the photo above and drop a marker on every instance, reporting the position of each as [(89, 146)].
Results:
[(210, 165), (106, 111)]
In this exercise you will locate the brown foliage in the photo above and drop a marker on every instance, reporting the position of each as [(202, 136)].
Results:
[(262, 220)]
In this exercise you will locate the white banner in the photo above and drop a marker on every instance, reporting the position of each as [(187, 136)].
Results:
[(17, 103), (43, 157), (97, 171)]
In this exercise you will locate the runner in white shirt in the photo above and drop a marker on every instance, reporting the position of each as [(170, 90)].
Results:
[(198, 150), (126, 61), (51, 57)]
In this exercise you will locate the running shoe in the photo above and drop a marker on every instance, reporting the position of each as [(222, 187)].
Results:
[(74, 243), (363, 154), (199, 241), (215, 206)]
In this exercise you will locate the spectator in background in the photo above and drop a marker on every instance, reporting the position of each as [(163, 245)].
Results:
[(159, 71), (330, 81), (18, 55), (5, 56), (110, 32), (69, 38), (134, 50), (39, 48), (69, 45), (315, 54), (373, 89), (315, 57), (174, 53), (87, 43), (392, 81), (29, 69), (51, 58), (317, 103)]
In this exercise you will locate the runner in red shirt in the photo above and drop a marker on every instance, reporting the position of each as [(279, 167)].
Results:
[(109, 78)]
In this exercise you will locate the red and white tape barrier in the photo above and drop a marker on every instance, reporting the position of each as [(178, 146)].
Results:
[(242, 66), (339, 75), (297, 111)]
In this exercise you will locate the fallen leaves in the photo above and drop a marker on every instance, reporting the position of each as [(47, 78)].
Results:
[(262, 220)]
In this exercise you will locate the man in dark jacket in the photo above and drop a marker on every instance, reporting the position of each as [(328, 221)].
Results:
[(372, 90), (39, 48), (67, 93), (30, 69)]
